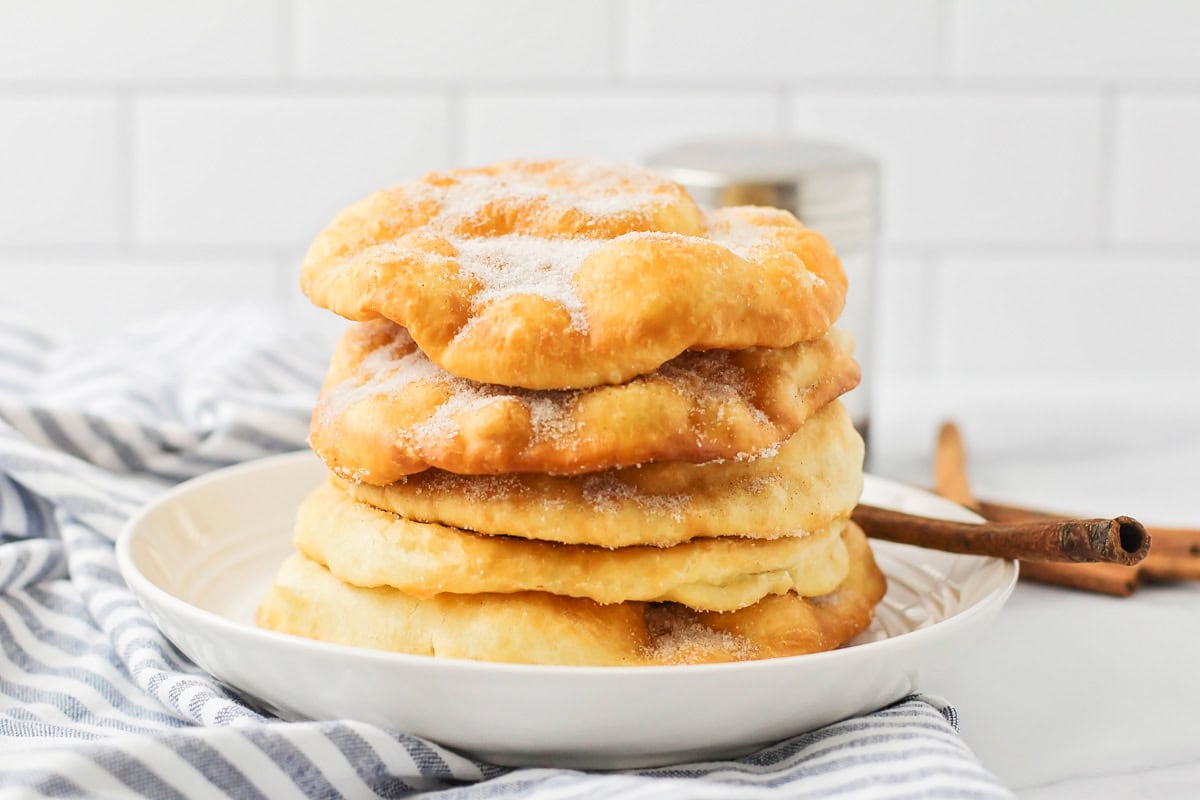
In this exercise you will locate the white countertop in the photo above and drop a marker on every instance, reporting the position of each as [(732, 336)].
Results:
[(1073, 694)]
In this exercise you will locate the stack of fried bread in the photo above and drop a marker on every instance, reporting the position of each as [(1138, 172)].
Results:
[(579, 421)]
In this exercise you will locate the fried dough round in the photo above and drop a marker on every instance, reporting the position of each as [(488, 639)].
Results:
[(542, 628), (367, 547), (814, 479), (570, 274), (387, 411)]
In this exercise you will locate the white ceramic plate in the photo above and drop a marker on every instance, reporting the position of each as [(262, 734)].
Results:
[(202, 555)]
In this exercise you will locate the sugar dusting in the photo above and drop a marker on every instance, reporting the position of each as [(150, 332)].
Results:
[(738, 235), (476, 488), (511, 264), (743, 238), (549, 411), (385, 370), (712, 375), (677, 636), (595, 188), (550, 414), (565, 214), (767, 452), (390, 368), (605, 493), (762, 484), (443, 424)]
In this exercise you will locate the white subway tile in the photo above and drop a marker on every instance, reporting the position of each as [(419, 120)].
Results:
[(1156, 184), (994, 168), (1112, 40), (273, 169), (609, 125), (903, 308), (60, 172), (770, 39), (138, 39), (82, 296), (1084, 316), (453, 39)]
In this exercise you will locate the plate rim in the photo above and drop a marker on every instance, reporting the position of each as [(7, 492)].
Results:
[(143, 587)]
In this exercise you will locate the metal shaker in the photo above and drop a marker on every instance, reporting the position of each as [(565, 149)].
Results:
[(833, 189)]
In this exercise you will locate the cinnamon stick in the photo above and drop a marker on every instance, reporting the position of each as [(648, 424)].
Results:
[(1114, 579), (1168, 567), (1119, 541), (1002, 512), (950, 468), (1119, 582), (1175, 555), (1180, 542)]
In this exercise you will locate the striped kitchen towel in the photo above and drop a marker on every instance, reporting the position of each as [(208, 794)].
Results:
[(95, 702)]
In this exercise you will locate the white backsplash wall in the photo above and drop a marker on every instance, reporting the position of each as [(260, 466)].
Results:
[(1042, 171)]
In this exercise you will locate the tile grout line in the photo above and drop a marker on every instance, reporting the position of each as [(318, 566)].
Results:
[(285, 42), (944, 26), (864, 87), (617, 14), (1037, 248), (165, 252)]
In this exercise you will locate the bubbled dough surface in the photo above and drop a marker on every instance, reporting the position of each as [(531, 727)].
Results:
[(387, 411), (543, 628), (570, 274), (367, 547), (813, 479)]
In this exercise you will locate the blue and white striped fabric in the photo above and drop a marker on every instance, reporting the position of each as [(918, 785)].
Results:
[(95, 702)]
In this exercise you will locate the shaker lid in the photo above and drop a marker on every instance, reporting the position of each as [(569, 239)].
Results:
[(832, 188)]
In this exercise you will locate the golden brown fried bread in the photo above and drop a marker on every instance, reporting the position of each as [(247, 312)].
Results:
[(387, 411), (814, 479), (367, 547), (570, 274), (542, 628), (783, 625)]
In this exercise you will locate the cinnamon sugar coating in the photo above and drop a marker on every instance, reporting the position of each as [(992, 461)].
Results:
[(579, 421), (542, 628), (364, 546), (813, 480), (571, 274), (386, 411)]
